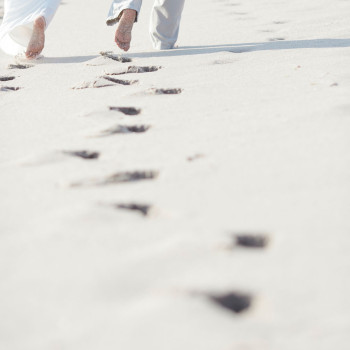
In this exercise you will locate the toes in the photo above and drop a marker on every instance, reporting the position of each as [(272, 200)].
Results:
[(122, 45), (32, 55), (29, 54)]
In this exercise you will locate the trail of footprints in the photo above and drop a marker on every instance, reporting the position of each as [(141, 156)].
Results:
[(244, 16), (233, 301), (6, 88), (110, 79)]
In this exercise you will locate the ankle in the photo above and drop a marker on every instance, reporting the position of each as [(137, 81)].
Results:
[(129, 14)]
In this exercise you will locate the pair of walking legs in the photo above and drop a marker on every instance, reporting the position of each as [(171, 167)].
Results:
[(164, 25)]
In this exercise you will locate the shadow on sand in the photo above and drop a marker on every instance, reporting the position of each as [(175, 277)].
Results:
[(247, 47), (200, 50), (71, 59)]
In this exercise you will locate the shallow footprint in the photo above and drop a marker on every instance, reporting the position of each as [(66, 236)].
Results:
[(9, 88), (195, 157), (20, 66), (121, 177), (103, 82), (144, 209), (134, 69), (175, 91), (122, 129), (55, 157), (95, 84), (277, 39), (83, 154), (126, 110)]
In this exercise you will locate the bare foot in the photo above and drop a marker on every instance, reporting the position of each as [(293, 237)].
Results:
[(37, 41), (123, 33)]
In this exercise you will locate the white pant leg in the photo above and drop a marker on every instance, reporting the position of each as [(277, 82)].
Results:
[(17, 26), (120, 5), (49, 10), (165, 23)]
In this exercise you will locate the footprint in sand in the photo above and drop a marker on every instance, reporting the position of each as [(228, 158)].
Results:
[(20, 66), (155, 91), (95, 84), (251, 240), (126, 110), (277, 39), (122, 129), (57, 156), (133, 69), (266, 31), (195, 157), (7, 78), (120, 81), (114, 57), (83, 154), (121, 177), (233, 301), (9, 88), (103, 82), (143, 209)]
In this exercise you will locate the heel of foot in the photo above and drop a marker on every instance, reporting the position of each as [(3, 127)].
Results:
[(40, 23)]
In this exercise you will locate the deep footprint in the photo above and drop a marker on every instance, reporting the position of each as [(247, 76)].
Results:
[(141, 208), (20, 66), (122, 177), (114, 57), (83, 154), (235, 302), (123, 129), (7, 78), (126, 110), (251, 240), (165, 91), (120, 81)]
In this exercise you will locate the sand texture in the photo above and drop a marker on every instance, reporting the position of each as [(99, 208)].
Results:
[(192, 199)]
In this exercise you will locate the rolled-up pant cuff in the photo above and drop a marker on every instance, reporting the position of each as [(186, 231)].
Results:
[(118, 7)]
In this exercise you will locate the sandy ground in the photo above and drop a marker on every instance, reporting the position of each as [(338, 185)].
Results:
[(257, 142)]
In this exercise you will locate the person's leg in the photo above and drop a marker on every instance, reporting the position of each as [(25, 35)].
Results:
[(24, 25), (37, 40), (165, 23), (124, 12)]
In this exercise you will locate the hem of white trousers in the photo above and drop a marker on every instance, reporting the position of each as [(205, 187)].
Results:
[(112, 20)]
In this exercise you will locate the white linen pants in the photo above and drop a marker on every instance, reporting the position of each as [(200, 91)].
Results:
[(19, 16), (165, 19)]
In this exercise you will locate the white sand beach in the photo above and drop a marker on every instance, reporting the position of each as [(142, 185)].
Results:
[(131, 244)]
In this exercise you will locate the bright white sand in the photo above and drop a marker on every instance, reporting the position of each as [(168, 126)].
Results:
[(272, 119)]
